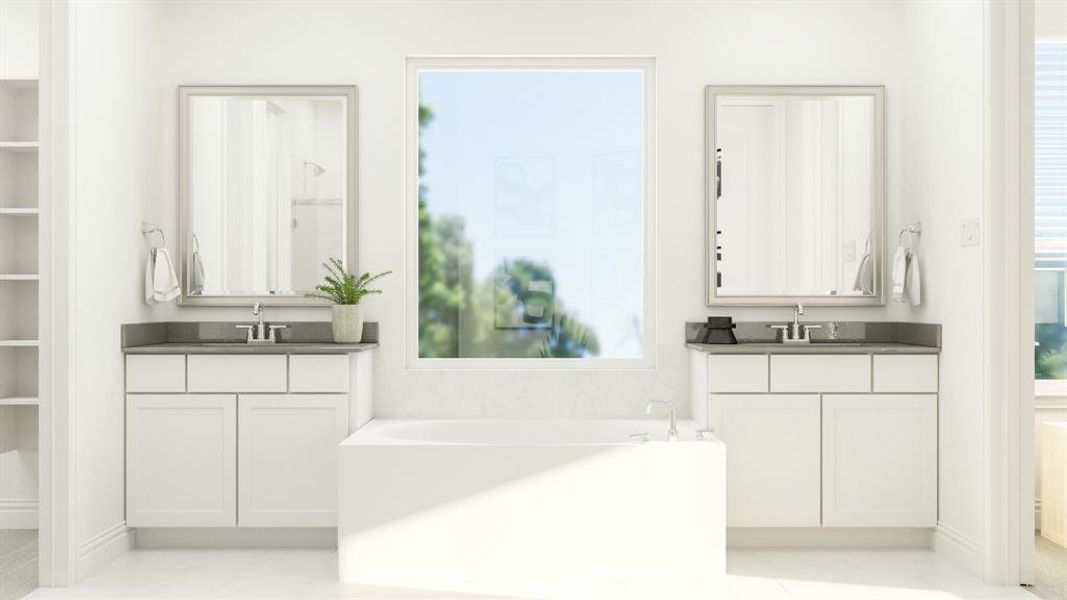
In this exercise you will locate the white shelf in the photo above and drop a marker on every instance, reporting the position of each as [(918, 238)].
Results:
[(20, 212), (19, 343), (19, 146), (19, 82), (19, 277), (19, 401)]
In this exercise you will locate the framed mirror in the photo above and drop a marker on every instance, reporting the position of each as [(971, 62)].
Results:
[(267, 191), (795, 195)]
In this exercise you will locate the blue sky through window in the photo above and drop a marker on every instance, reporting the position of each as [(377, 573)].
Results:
[(546, 166)]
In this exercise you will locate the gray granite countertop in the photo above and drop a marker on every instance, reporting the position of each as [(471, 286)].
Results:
[(242, 348), (815, 348), (834, 337), (219, 337)]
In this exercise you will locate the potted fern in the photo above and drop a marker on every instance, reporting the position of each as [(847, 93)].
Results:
[(346, 291)]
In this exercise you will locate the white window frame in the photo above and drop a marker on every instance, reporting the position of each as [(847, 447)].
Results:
[(1050, 388), (418, 64)]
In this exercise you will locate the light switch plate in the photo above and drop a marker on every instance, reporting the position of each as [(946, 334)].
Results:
[(970, 232)]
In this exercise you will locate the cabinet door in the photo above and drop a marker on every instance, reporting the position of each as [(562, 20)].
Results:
[(181, 454), (880, 460), (287, 459), (772, 458)]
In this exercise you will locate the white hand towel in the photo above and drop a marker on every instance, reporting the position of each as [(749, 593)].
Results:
[(913, 285), (900, 269), (198, 273), (164, 282), (149, 275), (864, 277)]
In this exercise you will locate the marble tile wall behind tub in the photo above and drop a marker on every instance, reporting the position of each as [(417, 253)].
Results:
[(534, 395)]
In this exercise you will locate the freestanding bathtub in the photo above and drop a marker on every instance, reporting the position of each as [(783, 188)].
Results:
[(530, 501)]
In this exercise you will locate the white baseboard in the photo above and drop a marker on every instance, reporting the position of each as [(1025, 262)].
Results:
[(18, 514), (103, 547), (225, 537), (958, 548), (828, 537)]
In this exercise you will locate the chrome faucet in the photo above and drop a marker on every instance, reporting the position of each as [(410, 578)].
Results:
[(672, 424), (261, 328), (796, 332), (261, 333)]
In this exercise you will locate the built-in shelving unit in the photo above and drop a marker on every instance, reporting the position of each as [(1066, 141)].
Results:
[(20, 284)]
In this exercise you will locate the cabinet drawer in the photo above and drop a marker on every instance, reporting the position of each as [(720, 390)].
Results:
[(318, 373), (737, 373), (821, 374), (155, 373), (237, 373), (914, 374)]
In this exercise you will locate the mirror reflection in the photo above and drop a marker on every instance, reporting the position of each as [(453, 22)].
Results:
[(267, 192), (796, 196)]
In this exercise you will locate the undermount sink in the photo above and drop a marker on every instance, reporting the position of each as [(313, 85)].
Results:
[(805, 344), (231, 344)]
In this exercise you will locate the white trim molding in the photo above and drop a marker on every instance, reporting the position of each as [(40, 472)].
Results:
[(829, 537), (104, 547), (240, 537), (418, 64), (1007, 542), (958, 547), (57, 505), (18, 514)]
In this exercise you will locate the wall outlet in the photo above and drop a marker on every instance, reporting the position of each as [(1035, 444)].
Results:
[(970, 232)]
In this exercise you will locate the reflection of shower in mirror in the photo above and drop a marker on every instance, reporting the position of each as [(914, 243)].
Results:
[(317, 171)]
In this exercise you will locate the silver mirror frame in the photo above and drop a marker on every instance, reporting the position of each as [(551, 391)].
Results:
[(877, 92), (350, 93)]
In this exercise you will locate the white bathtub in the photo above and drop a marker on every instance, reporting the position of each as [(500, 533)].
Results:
[(426, 502)]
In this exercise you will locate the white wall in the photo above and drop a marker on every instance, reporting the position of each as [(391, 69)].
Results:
[(133, 55), (19, 55), (118, 167), (941, 184), (365, 44)]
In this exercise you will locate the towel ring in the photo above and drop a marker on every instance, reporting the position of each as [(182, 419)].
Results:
[(911, 230), (150, 228)]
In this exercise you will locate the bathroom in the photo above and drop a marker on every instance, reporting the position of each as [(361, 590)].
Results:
[(109, 189)]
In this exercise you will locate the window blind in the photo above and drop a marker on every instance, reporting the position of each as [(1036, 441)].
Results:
[(1050, 155)]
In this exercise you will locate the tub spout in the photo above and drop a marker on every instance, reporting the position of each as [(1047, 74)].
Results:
[(672, 425)]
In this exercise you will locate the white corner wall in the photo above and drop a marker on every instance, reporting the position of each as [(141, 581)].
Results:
[(942, 184), (117, 173)]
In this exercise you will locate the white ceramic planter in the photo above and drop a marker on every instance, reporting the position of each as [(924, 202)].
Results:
[(347, 323)]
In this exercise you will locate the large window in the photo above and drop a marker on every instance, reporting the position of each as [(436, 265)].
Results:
[(1050, 198), (532, 200)]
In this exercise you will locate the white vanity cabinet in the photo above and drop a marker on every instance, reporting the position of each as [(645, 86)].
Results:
[(879, 460), (181, 460), (772, 460), (824, 440), (287, 458), (232, 440)]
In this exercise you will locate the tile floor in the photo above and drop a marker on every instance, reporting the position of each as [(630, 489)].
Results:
[(18, 563), (754, 575), (1050, 569)]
